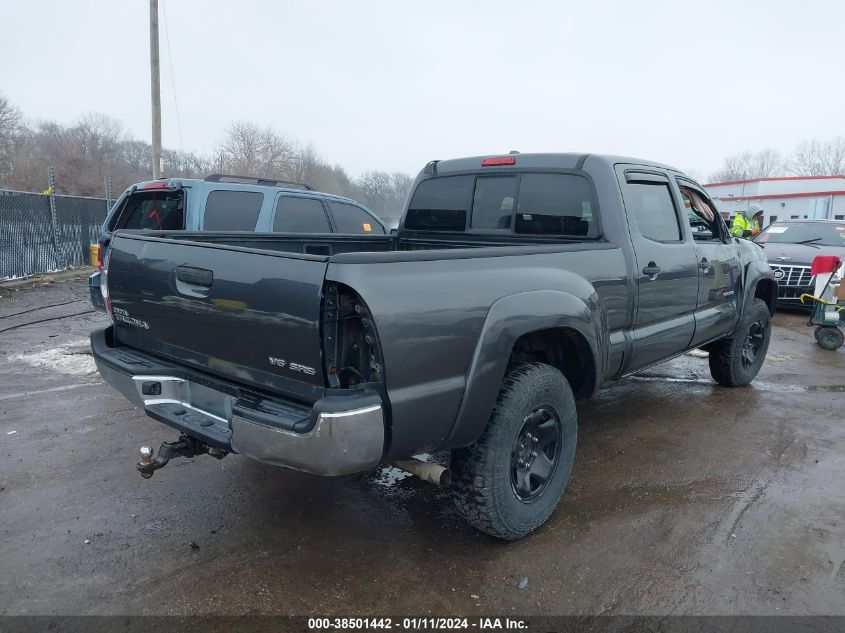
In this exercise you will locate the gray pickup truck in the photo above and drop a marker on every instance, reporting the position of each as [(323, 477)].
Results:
[(515, 286)]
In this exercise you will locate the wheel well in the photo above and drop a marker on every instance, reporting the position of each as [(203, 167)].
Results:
[(767, 290), (565, 349)]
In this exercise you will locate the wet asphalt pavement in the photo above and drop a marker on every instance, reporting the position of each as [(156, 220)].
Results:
[(686, 498)]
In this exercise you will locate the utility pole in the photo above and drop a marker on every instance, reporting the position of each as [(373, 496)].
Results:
[(155, 89)]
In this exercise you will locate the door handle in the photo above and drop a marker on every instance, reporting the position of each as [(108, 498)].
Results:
[(195, 276), (704, 265), (652, 270)]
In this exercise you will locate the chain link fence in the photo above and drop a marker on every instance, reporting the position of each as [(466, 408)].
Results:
[(46, 233)]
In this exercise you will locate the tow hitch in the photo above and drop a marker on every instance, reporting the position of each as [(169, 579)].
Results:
[(185, 446)]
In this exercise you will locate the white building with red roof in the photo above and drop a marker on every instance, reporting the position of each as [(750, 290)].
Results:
[(784, 198)]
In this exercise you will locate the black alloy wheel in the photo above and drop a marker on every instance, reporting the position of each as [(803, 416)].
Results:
[(536, 453)]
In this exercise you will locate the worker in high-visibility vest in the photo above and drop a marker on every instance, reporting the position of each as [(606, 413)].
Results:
[(743, 227)]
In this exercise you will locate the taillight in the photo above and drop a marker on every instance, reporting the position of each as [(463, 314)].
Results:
[(104, 282), (99, 256), (351, 350), (498, 160)]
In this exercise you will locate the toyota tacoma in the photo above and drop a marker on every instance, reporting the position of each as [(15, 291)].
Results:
[(515, 287)]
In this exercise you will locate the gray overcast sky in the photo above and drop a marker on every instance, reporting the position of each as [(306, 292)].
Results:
[(391, 85)]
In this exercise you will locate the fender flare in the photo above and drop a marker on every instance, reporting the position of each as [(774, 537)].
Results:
[(755, 272), (508, 319)]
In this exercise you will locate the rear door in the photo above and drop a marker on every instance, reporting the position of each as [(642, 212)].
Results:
[(247, 315), (666, 274)]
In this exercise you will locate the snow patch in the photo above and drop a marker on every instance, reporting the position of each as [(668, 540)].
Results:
[(73, 358)]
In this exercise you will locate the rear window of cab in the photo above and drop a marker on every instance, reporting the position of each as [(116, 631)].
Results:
[(547, 204)]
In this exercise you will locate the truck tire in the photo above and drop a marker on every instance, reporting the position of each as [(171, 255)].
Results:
[(735, 361), (510, 480), (829, 338)]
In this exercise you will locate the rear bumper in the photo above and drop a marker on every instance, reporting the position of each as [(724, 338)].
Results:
[(337, 435)]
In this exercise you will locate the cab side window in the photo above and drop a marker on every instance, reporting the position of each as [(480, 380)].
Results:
[(651, 205), (555, 204)]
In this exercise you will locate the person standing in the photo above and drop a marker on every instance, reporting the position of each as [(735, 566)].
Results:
[(743, 227)]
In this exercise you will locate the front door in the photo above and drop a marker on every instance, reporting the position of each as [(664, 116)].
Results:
[(719, 271), (667, 269)]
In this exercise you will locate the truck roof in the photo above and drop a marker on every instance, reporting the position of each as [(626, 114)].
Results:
[(551, 160)]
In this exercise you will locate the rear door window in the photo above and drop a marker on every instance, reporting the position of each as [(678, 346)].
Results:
[(654, 210), (300, 215), (351, 219), (555, 204), (232, 210), (493, 201), (440, 204), (154, 211)]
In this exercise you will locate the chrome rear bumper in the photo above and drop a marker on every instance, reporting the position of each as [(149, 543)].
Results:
[(340, 443), (346, 437)]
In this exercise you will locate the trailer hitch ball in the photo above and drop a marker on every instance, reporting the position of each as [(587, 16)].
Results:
[(146, 456), (185, 446)]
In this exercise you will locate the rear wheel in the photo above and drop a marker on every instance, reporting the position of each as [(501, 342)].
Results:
[(830, 338), (737, 360), (510, 480)]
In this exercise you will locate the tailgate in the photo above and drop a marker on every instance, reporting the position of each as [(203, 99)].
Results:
[(248, 315)]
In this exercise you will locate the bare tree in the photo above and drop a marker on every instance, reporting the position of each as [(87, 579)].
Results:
[(385, 193), (374, 186), (11, 133), (819, 158), (240, 149), (138, 156), (747, 165), (184, 164), (96, 147), (248, 149), (305, 164), (393, 204), (98, 137)]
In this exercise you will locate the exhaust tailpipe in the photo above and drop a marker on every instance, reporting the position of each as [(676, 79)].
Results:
[(427, 471)]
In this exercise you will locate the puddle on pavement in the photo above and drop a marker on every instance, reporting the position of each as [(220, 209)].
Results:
[(830, 388), (388, 476), (761, 385)]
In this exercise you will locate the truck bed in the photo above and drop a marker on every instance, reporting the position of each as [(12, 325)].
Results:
[(249, 308)]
